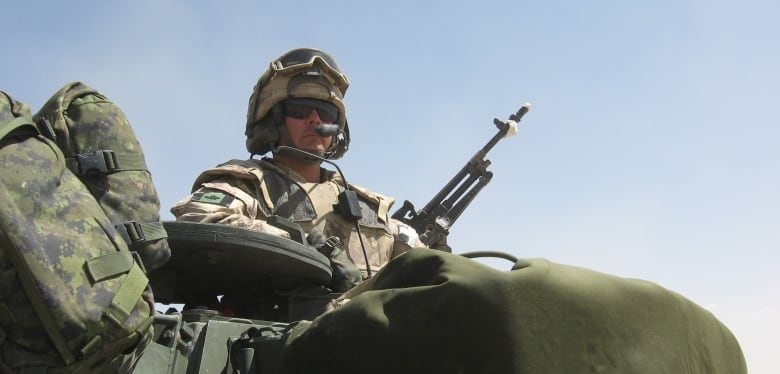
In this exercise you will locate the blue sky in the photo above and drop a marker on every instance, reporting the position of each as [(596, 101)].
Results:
[(650, 152)]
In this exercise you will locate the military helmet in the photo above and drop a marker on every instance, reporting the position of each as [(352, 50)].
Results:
[(303, 73)]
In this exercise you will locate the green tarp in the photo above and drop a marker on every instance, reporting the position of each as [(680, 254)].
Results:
[(434, 312)]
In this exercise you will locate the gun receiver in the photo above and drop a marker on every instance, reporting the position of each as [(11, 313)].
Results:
[(433, 221)]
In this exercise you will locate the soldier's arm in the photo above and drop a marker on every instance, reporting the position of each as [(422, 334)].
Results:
[(224, 201)]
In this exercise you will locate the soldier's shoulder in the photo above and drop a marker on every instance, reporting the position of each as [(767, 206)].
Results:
[(232, 169), (370, 195)]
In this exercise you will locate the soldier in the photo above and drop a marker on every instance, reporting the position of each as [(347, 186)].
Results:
[(297, 113)]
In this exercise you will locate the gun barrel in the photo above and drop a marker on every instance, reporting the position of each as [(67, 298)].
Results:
[(464, 202), (520, 112), (469, 181)]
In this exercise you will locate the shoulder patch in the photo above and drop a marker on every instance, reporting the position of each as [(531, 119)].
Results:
[(212, 197)]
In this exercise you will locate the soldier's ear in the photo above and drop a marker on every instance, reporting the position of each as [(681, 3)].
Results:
[(262, 136)]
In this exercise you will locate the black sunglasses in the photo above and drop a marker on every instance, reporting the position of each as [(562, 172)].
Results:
[(302, 108)]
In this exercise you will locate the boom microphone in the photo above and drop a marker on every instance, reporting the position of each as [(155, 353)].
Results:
[(327, 129)]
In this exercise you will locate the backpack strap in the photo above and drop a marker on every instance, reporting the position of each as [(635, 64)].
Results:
[(136, 233), (104, 162), (113, 264)]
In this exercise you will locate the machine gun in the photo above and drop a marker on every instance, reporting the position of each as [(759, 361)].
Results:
[(433, 221)]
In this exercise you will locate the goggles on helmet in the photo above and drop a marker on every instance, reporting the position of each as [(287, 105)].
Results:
[(302, 109), (304, 58)]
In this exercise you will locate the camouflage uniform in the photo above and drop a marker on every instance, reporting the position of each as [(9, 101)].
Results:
[(245, 192)]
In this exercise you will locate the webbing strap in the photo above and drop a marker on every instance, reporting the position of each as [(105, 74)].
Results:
[(135, 233), (154, 231), (16, 123), (110, 265), (128, 295), (105, 162)]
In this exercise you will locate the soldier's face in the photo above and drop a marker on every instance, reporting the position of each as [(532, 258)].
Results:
[(302, 134)]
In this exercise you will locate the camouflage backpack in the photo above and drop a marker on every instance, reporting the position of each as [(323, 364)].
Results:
[(102, 150), (71, 291)]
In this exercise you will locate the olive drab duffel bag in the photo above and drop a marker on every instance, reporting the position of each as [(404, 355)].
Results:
[(103, 151), (70, 289), (437, 312)]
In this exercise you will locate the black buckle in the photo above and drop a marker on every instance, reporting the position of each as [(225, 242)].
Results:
[(332, 242), (102, 162), (132, 233), (349, 206)]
